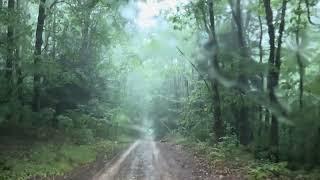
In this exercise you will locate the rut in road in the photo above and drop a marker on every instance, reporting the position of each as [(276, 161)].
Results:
[(149, 160)]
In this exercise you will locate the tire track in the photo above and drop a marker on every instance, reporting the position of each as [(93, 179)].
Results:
[(147, 160)]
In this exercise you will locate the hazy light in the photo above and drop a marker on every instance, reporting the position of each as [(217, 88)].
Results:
[(147, 15), (149, 11)]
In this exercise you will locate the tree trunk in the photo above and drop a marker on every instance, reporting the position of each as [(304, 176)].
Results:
[(18, 60), (301, 74), (274, 120), (281, 30), (10, 51), (270, 84), (54, 35), (299, 61), (186, 83), (84, 50), (88, 7), (260, 107), (244, 125), (243, 118), (37, 54), (274, 72), (218, 127)]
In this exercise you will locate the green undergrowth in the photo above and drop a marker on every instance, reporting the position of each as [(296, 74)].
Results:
[(229, 159), (49, 159)]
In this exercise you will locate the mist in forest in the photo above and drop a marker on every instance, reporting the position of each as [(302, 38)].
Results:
[(155, 89)]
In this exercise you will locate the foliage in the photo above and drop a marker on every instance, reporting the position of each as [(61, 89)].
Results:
[(226, 74), (245, 106), (229, 157), (49, 160)]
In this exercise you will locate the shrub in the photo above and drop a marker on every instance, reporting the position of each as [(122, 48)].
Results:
[(45, 117), (82, 136), (64, 122)]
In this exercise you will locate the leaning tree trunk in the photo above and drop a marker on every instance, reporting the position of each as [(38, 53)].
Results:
[(37, 56)]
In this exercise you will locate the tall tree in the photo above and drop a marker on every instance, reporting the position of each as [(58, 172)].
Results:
[(274, 64), (243, 120), (37, 55), (217, 122), (298, 55), (18, 63), (260, 107), (10, 49), (87, 8)]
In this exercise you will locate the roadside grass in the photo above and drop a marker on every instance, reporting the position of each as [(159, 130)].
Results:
[(49, 159), (228, 158)]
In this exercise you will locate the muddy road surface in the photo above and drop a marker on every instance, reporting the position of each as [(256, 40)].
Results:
[(150, 160)]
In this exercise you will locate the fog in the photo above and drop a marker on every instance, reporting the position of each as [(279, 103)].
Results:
[(159, 89)]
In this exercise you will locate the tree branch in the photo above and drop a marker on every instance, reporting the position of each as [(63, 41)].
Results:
[(195, 67)]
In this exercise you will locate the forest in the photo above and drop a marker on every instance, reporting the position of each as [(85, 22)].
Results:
[(228, 88)]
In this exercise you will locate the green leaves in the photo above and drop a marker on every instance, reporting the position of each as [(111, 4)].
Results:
[(52, 160), (314, 86)]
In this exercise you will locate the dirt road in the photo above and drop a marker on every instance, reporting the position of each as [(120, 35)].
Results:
[(150, 160)]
